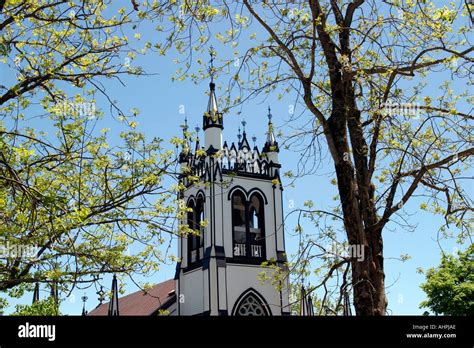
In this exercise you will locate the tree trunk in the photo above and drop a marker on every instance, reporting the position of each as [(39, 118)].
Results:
[(358, 211)]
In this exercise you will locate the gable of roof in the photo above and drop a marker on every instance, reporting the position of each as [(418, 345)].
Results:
[(160, 296)]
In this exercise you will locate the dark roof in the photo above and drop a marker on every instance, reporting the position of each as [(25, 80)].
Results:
[(160, 296)]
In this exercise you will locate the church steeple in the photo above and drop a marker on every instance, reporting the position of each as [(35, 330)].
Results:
[(212, 119), (271, 145)]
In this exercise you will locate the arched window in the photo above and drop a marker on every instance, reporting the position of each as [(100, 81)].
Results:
[(196, 240), (250, 305), (200, 212), (239, 224), (248, 226), (256, 225)]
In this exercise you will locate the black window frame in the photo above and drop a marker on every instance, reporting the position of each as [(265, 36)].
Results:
[(248, 258), (196, 242)]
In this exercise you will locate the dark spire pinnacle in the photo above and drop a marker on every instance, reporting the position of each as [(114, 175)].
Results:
[(101, 294), (55, 292), (36, 293), (84, 299), (244, 143), (212, 116), (114, 304), (305, 309), (211, 69), (185, 125), (185, 150), (198, 146), (55, 295), (271, 144)]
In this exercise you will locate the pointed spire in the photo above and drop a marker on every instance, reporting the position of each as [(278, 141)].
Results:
[(212, 116), (306, 303), (244, 143), (185, 150), (54, 292), (198, 146), (36, 294), (303, 304), (101, 294), (212, 109), (114, 304), (347, 305), (55, 295), (271, 144), (310, 305), (84, 298), (211, 70)]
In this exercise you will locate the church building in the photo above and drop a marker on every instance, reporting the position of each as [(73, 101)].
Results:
[(234, 195)]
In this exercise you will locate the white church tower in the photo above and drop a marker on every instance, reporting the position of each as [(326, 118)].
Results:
[(234, 196)]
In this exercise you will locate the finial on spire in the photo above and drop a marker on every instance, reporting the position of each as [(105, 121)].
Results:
[(197, 129), (212, 118), (185, 125), (84, 298), (239, 136), (212, 109), (212, 53), (101, 294), (254, 139), (244, 123), (186, 146), (271, 144)]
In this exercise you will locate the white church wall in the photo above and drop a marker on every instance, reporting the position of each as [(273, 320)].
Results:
[(242, 277), (213, 137), (222, 277), (192, 287)]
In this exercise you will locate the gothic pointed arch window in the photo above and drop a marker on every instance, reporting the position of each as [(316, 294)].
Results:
[(248, 226), (196, 240), (239, 224), (256, 225), (250, 304)]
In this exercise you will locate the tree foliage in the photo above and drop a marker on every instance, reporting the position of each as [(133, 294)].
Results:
[(75, 202), (372, 86), (47, 307), (450, 286)]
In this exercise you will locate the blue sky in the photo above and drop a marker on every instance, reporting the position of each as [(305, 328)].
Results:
[(159, 100)]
